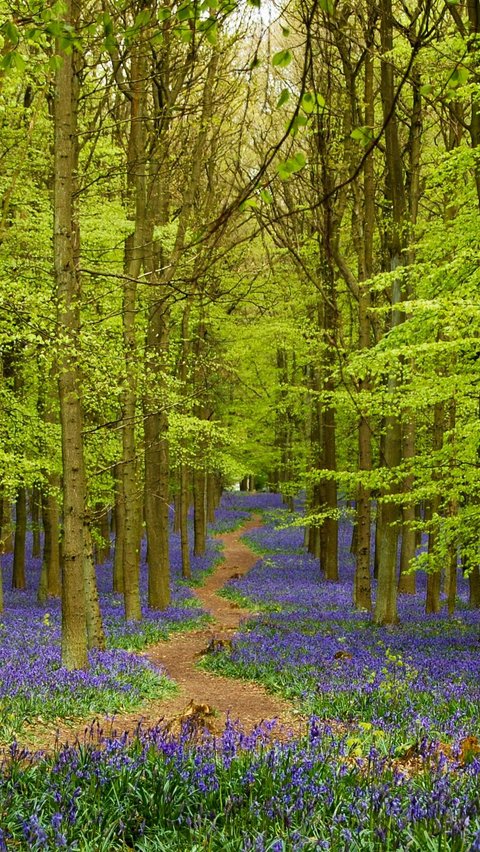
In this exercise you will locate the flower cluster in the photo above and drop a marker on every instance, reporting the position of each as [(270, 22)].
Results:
[(240, 792), (32, 680)]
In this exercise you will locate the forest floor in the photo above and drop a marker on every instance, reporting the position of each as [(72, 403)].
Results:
[(211, 698)]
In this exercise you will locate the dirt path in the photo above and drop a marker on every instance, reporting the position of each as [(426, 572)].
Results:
[(245, 701)]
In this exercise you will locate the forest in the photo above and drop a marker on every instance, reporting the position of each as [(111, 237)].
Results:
[(240, 425)]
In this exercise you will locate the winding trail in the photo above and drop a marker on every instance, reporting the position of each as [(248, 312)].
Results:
[(245, 701)]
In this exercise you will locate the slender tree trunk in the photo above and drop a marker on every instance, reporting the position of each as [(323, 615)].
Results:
[(362, 596), (452, 549), (474, 586), (432, 603), (184, 503), (119, 513), (35, 501), (329, 535), (134, 251), (102, 526), (6, 540), (176, 505), (211, 495), (18, 576), (74, 634), (199, 512), (452, 579), (157, 467), (389, 514), (184, 474), (407, 581), (51, 545), (95, 634)]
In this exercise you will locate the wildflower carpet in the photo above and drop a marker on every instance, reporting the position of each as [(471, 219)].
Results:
[(388, 760)]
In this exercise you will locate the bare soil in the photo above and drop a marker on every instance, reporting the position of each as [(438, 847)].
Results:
[(244, 701)]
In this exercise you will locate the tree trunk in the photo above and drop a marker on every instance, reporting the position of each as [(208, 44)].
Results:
[(211, 497), (474, 586), (389, 515), (329, 534), (184, 504), (18, 575), (51, 545), (95, 634), (407, 581), (102, 526), (119, 513), (362, 596), (74, 634), (452, 579), (199, 512), (184, 473), (432, 602), (35, 500), (134, 252), (157, 466), (6, 538)]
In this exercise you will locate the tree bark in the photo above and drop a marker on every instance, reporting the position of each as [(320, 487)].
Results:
[(157, 464), (119, 514), (95, 634), (432, 602), (51, 564), (389, 515), (474, 588), (407, 580), (35, 501), (134, 251), (18, 575), (199, 512), (74, 634), (6, 538)]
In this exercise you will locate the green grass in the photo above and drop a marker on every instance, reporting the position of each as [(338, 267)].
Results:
[(245, 602), (149, 633), (41, 708)]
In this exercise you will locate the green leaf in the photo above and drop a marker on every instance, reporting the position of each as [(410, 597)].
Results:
[(364, 135), (164, 14), (107, 24), (282, 59), (285, 31), (212, 31), (426, 89), (292, 165), (256, 3), (308, 102), (266, 196), (458, 78), (298, 122), (186, 12), (249, 203), (327, 6), (19, 61), (55, 62), (284, 97), (142, 18), (11, 32), (283, 172), (183, 33)]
